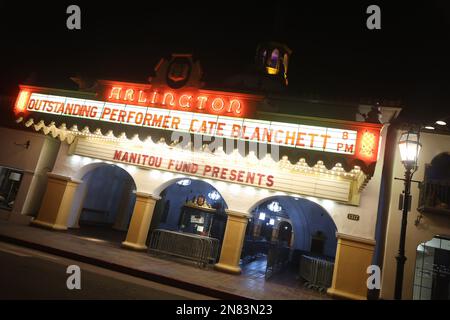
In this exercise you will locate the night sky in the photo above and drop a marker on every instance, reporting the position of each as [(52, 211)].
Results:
[(334, 55)]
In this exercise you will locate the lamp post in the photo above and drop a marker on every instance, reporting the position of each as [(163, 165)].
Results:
[(409, 152)]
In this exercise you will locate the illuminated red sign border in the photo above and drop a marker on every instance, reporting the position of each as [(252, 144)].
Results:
[(190, 99)]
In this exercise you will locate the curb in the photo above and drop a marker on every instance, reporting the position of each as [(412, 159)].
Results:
[(126, 270)]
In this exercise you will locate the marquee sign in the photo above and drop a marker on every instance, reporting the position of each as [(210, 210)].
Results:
[(187, 100), (128, 107), (222, 167)]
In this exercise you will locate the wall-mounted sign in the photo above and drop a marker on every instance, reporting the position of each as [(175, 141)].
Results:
[(354, 217), (197, 219), (224, 167), (362, 144)]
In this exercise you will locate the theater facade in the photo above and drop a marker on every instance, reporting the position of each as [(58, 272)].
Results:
[(268, 168)]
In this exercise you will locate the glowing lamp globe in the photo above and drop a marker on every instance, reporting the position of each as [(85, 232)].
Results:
[(409, 148)]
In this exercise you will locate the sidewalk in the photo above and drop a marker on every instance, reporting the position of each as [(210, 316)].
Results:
[(140, 264)]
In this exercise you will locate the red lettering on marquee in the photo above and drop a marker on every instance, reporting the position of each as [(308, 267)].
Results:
[(312, 135), (325, 140), (348, 148), (236, 131), (217, 172), (269, 181)]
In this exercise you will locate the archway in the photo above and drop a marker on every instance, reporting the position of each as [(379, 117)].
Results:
[(103, 203), (298, 228), (171, 211)]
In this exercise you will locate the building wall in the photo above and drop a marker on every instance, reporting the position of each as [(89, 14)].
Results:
[(35, 162), (430, 225), (316, 220)]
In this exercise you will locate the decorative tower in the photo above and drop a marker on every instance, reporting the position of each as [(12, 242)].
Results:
[(272, 59)]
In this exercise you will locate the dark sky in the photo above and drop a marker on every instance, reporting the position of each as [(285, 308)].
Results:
[(334, 55)]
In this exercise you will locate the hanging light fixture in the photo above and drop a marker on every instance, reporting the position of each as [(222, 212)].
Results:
[(184, 182), (214, 195), (274, 206)]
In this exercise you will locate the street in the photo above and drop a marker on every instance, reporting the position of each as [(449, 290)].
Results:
[(31, 274)]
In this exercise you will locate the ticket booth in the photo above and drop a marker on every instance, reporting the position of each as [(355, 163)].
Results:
[(197, 217)]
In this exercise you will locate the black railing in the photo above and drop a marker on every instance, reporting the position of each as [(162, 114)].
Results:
[(434, 196)]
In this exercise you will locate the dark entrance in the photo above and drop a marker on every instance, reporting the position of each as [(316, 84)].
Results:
[(285, 237), (107, 202)]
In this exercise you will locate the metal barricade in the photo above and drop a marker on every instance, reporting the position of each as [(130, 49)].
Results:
[(201, 249), (317, 272)]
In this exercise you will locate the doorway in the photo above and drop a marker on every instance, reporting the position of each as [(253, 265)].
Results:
[(104, 204)]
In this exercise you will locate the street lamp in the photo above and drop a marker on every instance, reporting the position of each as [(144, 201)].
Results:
[(409, 152)]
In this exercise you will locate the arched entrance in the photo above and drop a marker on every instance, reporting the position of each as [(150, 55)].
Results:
[(178, 210), (103, 204), (284, 231)]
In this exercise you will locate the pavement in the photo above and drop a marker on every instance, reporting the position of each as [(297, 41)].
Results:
[(33, 275), (165, 271)]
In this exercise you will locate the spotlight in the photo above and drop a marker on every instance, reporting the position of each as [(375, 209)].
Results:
[(441, 123), (429, 127)]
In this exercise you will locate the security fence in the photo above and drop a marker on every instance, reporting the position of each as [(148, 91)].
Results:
[(203, 250), (316, 271)]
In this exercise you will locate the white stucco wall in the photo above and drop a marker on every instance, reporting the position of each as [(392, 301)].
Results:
[(35, 161)]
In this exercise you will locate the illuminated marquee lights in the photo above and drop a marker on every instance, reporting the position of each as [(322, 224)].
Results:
[(317, 138), (22, 99), (368, 144), (200, 102)]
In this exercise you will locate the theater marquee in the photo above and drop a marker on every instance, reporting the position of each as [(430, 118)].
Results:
[(222, 167), (201, 112)]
